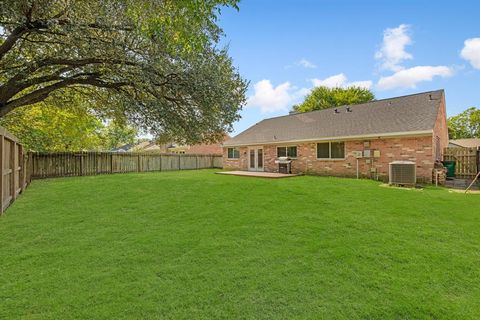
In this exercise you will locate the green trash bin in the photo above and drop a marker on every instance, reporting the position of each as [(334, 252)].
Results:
[(450, 165)]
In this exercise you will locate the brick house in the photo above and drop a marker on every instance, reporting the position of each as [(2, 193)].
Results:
[(361, 139)]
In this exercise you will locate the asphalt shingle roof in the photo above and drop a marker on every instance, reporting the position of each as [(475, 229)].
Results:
[(467, 143), (412, 113)]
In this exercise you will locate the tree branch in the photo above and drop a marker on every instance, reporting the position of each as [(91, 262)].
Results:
[(8, 44), (43, 93)]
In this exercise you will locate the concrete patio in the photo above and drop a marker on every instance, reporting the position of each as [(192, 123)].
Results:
[(272, 175), (462, 184)]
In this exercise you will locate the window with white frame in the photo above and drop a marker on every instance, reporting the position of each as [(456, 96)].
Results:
[(331, 150), (233, 153), (287, 151)]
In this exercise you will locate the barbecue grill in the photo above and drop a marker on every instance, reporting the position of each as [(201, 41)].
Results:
[(284, 164)]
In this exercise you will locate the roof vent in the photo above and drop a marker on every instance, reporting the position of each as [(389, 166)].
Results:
[(336, 110), (349, 109)]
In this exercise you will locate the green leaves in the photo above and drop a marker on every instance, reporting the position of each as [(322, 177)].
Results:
[(45, 127), (152, 62), (324, 97), (465, 125), (116, 134)]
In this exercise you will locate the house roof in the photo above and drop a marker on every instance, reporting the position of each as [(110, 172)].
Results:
[(205, 148), (466, 143), (124, 147), (413, 114)]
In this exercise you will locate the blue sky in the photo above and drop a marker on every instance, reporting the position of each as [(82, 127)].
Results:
[(284, 48)]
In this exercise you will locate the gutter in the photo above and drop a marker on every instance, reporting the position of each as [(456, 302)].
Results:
[(338, 138)]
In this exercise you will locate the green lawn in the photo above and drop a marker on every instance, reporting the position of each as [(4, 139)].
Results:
[(195, 245)]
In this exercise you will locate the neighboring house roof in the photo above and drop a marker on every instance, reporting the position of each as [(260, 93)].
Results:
[(412, 114), (466, 143), (204, 148), (141, 145), (152, 147), (215, 148), (133, 146), (123, 148)]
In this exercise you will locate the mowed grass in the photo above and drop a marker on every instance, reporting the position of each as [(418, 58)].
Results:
[(196, 245)]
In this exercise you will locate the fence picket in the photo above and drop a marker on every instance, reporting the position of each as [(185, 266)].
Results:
[(60, 164), (467, 160), (18, 167), (13, 165)]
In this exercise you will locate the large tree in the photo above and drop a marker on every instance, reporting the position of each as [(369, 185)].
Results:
[(43, 127), (116, 133), (325, 97), (465, 124), (153, 62)]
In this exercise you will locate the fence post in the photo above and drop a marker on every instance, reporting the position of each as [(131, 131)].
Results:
[(13, 164), (2, 173), (111, 162), (478, 159), (23, 176), (29, 167)]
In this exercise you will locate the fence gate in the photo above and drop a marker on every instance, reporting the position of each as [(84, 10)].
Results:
[(467, 160)]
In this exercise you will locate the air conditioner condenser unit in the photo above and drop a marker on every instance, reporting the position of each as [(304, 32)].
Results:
[(402, 173)]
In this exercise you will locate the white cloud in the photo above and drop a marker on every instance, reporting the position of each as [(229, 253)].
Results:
[(408, 78), (340, 80), (306, 64), (367, 84), (337, 80), (392, 51), (471, 52), (272, 99)]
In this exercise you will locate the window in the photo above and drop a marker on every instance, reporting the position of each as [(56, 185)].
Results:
[(323, 150), (331, 150), (337, 150), (233, 153), (290, 152)]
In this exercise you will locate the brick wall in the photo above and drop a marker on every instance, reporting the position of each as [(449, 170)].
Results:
[(440, 130), (234, 164), (418, 149)]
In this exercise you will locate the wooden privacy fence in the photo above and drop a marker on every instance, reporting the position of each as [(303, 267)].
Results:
[(66, 164), (14, 176), (18, 168), (466, 159)]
